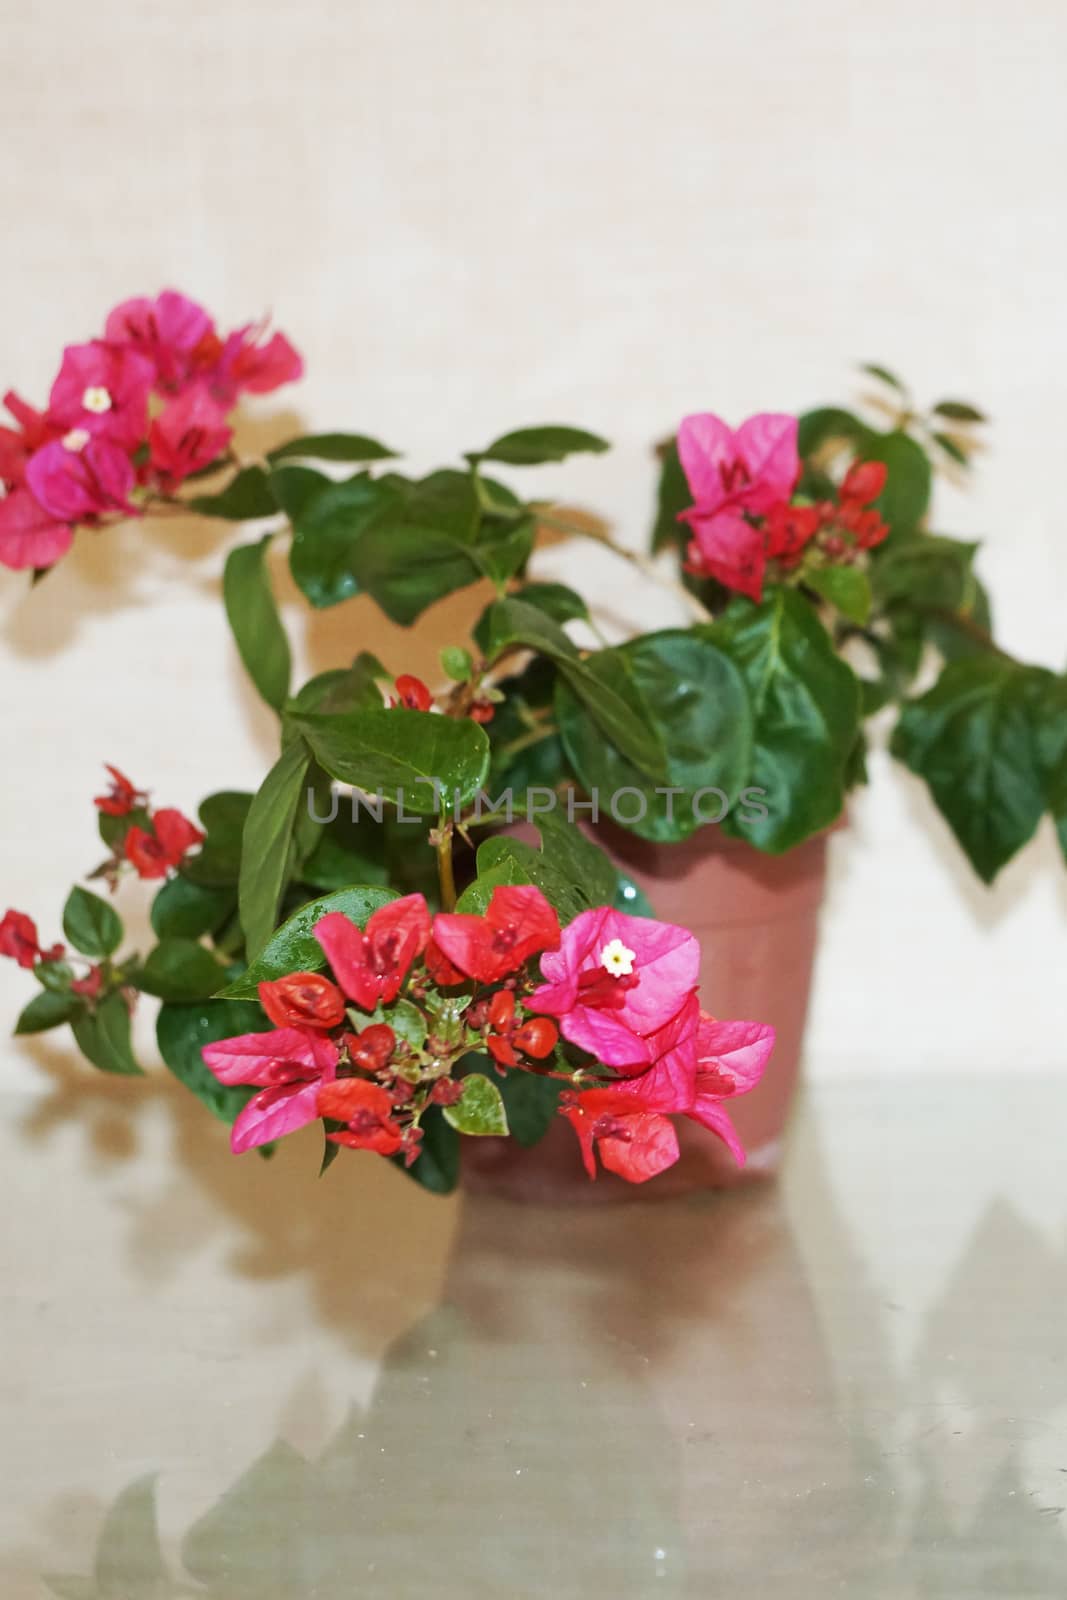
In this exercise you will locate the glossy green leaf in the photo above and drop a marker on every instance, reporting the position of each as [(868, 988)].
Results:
[(531, 1103), (355, 447), (254, 621), (91, 925), (572, 873), (344, 688), (555, 600), (349, 850), (103, 1037), (597, 682), (186, 910), (682, 687), (182, 1031), (972, 739), (180, 969), (247, 495), (401, 753), (266, 844), (632, 899), (928, 571), (294, 948), (480, 1111), (848, 590), (531, 447), (805, 704), (329, 526), (48, 1009), (505, 869)]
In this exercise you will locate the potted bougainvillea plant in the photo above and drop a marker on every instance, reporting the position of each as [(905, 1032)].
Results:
[(437, 921)]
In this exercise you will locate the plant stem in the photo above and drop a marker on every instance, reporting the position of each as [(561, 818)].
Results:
[(637, 558), (525, 740), (446, 878)]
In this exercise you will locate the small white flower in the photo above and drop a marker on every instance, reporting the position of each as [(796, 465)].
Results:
[(97, 400), (75, 440), (617, 959)]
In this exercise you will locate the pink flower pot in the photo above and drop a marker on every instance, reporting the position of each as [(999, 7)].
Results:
[(756, 917)]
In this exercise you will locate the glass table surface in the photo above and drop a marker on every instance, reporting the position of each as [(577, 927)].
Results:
[(226, 1378)]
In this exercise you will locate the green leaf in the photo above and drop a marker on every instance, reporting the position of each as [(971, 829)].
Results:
[(255, 623), (91, 925), (186, 910), (1049, 716), (55, 976), (632, 899), (294, 948), (531, 1103), (349, 850), (437, 1167), (456, 663), (971, 738), (831, 425), (103, 1037), (507, 868), (884, 375), (113, 830), (847, 588), (407, 568), (673, 496), (958, 411), (180, 969), (952, 449), (555, 600), (218, 862), (481, 1109), (805, 705), (48, 1009), (401, 752), (572, 873), (247, 495), (904, 501), (681, 686), (405, 1019), (926, 571), (182, 1031), (595, 682), (329, 523), (331, 447), (344, 688), (266, 842), (531, 447)]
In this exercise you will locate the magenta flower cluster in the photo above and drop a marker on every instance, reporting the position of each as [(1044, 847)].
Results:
[(131, 414)]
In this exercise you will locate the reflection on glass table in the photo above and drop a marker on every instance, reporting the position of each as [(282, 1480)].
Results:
[(226, 1379)]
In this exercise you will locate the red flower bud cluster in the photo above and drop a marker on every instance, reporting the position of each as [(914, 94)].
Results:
[(373, 1046), (19, 941), (153, 845)]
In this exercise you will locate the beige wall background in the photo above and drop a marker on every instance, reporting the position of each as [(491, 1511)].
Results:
[(471, 216)]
